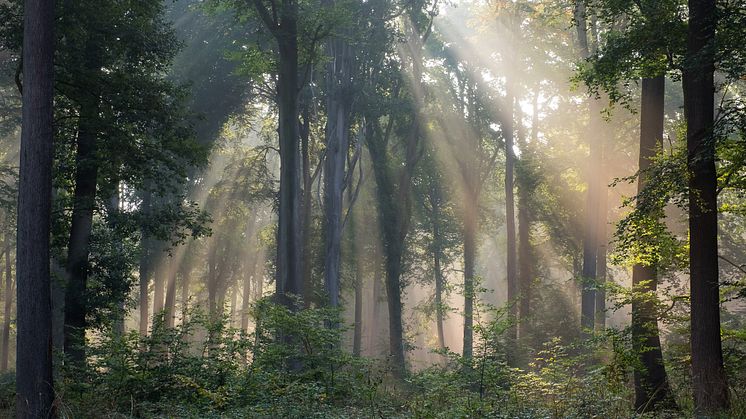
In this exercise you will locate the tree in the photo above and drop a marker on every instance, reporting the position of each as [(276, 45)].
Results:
[(282, 23), (590, 232), (708, 375), (394, 173), (34, 386), (652, 390), (339, 108)]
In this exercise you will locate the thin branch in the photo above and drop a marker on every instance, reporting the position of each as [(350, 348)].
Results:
[(741, 268)]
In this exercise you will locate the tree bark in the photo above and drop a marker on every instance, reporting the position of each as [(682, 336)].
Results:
[(652, 390), (708, 376), (34, 385)]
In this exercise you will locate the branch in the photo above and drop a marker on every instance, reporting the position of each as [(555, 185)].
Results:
[(730, 262), (269, 21)]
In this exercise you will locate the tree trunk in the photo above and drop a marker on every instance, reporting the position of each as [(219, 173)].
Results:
[(393, 294), (590, 242), (289, 245), (337, 145), (394, 216), (212, 280), (8, 310), (603, 240), (357, 257), (34, 390), (186, 275), (158, 261), (437, 255), (234, 305), (708, 376), (245, 302), (470, 254), (113, 208), (145, 266), (510, 216), (525, 256), (306, 205), (375, 324), (170, 305), (84, 200), (651, 382), (339, 71)]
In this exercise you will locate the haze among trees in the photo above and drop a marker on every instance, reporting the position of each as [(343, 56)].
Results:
[(379, 208)]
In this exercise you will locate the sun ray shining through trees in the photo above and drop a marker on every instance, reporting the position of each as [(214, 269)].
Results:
[(379, 208)]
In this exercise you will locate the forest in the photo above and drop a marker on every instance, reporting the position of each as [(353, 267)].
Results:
[(372, 209)]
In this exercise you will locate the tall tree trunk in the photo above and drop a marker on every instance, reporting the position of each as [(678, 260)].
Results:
[(510, 215), (84, 200), (289, 245), (8, 309), (234, 305), (603, 239), (186, 275), (708, 376), (158, 261), (357, 335), (337, 144), (375, 324), (112, 209), (212, 279), (394, 215), (357, 338), (307, 204), (437, 256), (170, 305), (470, 254), (525, 257), (393, 293), (145, 266), (246, 301), (651, 382), (34, 390), (590, 235)]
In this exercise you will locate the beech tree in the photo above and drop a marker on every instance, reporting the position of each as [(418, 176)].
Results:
[(708, 376), (35, 391)]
